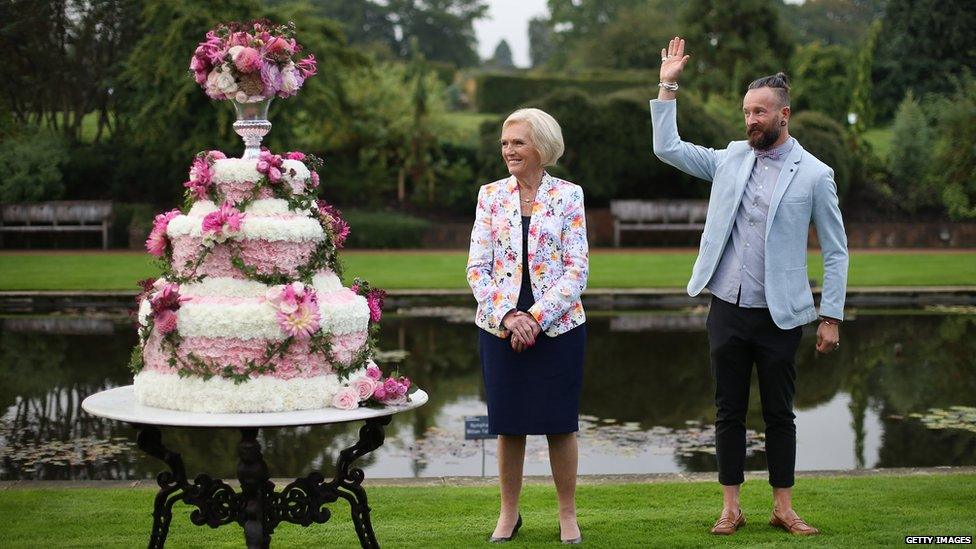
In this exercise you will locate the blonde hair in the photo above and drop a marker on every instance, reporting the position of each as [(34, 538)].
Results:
[(546, 134)]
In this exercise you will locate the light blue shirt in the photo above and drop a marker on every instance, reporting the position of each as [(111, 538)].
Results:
[(740, 276)]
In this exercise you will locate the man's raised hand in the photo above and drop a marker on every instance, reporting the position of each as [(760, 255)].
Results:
[(673, 60)]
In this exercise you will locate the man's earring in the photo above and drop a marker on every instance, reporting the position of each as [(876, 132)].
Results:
[(782, 122)]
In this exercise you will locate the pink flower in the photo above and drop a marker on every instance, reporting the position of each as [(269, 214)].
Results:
[(156, 243), (165, 321), (364, 387), (271, 78), (270, 165), (308, 66), (239, 39), (274, 175), (301, 323), (277, 44), (295, 155), (223, 223), (213, 156), (373, 372), (375, 309), (379, 393), (315, 179), (346, 399), (248, 60)]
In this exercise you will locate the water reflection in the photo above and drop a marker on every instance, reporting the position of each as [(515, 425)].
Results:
[(646, 401)]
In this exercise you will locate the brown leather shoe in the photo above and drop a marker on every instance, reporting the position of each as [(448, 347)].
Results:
[(726, 526), (796, 526)]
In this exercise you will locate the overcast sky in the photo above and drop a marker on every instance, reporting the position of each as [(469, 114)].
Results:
[(508, 19)]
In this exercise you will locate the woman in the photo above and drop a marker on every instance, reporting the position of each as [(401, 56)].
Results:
[(527, 268)]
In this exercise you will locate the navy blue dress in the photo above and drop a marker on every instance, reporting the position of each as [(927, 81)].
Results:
[(537, 391)]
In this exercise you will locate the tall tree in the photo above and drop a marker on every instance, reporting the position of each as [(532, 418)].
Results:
[(732, 43), (820, 80), (842, 22), (502, 58), (364, 22), (925, 44), (444, 29), (61, 61), (540, 41), (861, 106), (575, 21)]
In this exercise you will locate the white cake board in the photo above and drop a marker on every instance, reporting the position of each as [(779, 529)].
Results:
[(120, 404)]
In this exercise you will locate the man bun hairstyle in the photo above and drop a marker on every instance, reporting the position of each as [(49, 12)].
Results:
[(779, 83)]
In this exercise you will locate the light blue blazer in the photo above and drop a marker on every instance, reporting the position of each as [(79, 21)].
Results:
[(805, 191)]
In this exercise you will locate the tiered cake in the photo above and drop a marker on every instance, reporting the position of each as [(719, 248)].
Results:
[(250, 315)]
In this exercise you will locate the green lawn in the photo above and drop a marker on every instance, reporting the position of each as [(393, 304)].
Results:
[(430, 270), (851, 512), (880, 141)]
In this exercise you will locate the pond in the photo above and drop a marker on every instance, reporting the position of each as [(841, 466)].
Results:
[(646, 405)]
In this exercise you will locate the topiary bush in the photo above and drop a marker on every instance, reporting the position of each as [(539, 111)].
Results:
[(374, 229)]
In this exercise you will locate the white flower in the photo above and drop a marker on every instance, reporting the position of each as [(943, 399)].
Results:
[(225, 80), (144, 310), (235, 51), (241, 97), (289, 79)]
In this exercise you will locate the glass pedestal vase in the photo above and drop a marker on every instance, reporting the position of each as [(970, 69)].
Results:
[(252, 124)]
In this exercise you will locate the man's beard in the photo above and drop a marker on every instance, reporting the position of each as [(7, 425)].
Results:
[(765, 137)]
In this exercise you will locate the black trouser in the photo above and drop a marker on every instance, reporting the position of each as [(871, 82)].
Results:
[(739, 337)]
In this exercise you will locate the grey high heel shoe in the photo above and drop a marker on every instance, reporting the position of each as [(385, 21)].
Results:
[(575, 541), (518, 524)]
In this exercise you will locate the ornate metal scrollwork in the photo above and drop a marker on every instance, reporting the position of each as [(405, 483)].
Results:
[(258, 508)]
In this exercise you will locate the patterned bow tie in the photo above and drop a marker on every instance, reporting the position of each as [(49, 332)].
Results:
[(770, 155)]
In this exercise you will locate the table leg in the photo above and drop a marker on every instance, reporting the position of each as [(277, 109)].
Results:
[(349, 480), (256, 488), (172, 483)]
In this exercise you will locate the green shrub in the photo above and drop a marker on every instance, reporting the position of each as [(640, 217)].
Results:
[(371, 229), (824, 138), (503, 93), (32, 162)]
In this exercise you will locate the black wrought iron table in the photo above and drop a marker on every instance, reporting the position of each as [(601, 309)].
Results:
[(257, 507)]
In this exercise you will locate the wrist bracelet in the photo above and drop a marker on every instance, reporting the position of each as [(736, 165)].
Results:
[(669, 86), (830, 321)]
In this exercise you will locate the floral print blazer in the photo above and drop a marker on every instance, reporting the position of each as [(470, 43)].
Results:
[(558, 255)]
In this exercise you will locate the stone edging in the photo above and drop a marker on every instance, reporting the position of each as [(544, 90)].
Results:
[(652, 478)]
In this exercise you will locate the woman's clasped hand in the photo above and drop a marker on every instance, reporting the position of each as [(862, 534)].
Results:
[(523, 329)]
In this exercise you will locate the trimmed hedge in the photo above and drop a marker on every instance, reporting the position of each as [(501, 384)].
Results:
[(503, 93), (384, 229)]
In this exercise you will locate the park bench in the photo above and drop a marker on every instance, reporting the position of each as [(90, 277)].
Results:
[(58, 216), (657, 215)]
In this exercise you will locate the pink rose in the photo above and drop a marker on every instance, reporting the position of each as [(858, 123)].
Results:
[(315, 179), (346, 399), (373, 372), (379, 393), (263, 166), (364, 387), (295, 155), (278, 45), (165, 321), (274, 175)]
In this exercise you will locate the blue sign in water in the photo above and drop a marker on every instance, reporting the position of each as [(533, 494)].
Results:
[(476, 428)]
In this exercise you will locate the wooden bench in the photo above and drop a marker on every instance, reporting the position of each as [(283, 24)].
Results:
[(657, 215), (58, 216)]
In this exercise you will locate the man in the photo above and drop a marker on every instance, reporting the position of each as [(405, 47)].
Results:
[(752, 258)]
